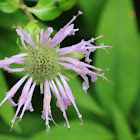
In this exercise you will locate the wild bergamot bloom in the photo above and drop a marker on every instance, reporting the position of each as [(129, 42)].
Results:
[(45, 63)]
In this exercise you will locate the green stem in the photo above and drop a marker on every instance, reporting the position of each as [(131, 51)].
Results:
[(24, 8)]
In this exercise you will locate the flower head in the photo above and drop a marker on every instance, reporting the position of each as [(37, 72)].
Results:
[(45, 63)]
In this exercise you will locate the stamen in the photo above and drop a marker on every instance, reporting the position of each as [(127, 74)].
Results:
[(97, 72), (80, 13), (107, 69), (37, 39), (110, 81), (107, 80), (56, 123), (11, 128), (23, 43), (102, 44), (104, 35), (81, 124), (74, 17), (99, 37), (81, 121), (70, 129), (106, 50), (41, 36), (41, 88), (47, 129), (13, 26), (18, 120)]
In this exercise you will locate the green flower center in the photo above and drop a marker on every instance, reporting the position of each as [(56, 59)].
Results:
[(42, 64)]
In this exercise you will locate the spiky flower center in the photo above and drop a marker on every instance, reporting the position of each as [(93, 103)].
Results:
[(42, 64)]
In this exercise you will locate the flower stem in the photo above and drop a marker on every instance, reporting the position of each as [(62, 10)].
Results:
[(24, 8)]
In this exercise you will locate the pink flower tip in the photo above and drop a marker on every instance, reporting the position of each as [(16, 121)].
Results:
[(106, 80), (81, 124), (47, 131), (11, 128), (104, 35), (80, 13), (50, 29)]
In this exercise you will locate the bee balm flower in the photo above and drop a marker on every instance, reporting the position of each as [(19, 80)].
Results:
[(45, 63)]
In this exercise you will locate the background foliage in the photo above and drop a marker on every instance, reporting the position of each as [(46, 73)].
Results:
[(109, 111)]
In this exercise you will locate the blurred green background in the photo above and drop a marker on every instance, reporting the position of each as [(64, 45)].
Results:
[(110, 111)]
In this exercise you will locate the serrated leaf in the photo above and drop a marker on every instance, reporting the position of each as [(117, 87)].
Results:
[(9, 6), (48, 10)]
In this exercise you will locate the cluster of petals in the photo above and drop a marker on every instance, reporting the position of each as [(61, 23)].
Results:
[(59, 85)]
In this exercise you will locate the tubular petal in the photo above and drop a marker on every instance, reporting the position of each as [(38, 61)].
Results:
[(14, 89), (47, 35), (70, 95), (28, 105), (13, 70), (60, 103)]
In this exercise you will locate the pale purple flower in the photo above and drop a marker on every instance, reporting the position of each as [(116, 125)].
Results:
[(43, 63)]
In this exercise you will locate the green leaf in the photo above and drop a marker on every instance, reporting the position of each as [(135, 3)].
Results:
[(46, 9), (70, 73), (91, 13), (8, 20), (84, 100), (122, 127), (5, 137), (123, 60), (91, 130), (10, 47), (32, 28), (9, 6), (32, 123), (136, 124), (77, 55), (32, 0), (6, 111)]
